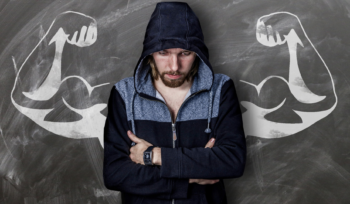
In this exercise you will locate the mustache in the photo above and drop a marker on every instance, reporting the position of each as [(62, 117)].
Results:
[(173, 73)]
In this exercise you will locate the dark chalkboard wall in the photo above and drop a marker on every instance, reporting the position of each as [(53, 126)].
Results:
[(297, 121)]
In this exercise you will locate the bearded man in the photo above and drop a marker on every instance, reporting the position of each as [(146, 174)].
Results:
[(186, 125)]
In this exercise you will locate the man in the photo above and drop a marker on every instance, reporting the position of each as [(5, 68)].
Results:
[(173, 105)]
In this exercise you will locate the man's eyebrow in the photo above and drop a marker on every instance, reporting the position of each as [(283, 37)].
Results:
[(167, 50)]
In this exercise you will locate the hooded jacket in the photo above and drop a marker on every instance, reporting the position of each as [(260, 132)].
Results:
[(211, 109)]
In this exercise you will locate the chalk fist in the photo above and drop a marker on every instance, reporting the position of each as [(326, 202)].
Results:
[(75, 28)]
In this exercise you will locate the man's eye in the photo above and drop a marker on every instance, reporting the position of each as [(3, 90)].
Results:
[(186, 53), (162, 52)]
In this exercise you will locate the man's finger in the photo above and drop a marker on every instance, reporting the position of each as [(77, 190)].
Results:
[(210, 143), (205, 181), (133, 137)]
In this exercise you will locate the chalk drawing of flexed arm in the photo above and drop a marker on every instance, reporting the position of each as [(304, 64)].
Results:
[(285, 29), (52, 82), (59, 33)]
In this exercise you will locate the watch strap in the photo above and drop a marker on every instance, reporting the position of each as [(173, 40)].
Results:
[(147, 155)]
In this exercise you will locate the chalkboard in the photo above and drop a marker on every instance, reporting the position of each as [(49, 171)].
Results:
[(288, 59)]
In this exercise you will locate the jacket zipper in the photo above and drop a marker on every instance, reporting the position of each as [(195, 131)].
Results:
[(173, 125), (174, 138), (174, 134)]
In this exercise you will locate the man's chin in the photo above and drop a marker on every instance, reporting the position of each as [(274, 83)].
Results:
[(173, 83)]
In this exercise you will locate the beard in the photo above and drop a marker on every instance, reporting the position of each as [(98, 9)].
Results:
[(173, 83)]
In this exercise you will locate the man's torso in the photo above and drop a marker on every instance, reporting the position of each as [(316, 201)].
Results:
[(153, 122)]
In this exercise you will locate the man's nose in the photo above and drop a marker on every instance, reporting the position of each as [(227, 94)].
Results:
[(174, 62)]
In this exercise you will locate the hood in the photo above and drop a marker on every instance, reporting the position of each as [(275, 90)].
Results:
[(173, 25)]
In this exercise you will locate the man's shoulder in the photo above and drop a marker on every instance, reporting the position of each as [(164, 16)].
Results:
[(125, 86), (125, 83), (220, 79)]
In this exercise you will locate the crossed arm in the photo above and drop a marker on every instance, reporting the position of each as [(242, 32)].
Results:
[(170, 179), (136, 155)]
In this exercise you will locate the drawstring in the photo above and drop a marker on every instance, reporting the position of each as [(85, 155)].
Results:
[(208, 130), (132, 116)]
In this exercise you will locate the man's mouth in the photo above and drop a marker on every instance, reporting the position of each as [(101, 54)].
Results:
[(173, 76)]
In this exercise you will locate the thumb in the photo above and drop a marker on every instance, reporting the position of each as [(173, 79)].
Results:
[(210, 143), (133, 137)]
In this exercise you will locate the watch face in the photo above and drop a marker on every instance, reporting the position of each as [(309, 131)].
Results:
[(147, 158)]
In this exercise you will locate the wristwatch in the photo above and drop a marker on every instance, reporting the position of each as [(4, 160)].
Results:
[(147, 156)]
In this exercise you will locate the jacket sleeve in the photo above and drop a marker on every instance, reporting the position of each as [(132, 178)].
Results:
[(120, 173), (226, 159)]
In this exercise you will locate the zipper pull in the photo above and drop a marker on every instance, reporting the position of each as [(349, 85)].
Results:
[(174, 131), (173, 125)]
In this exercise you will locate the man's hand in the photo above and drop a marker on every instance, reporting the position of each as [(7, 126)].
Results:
[(204, 181), (136, 152), (210, 144)]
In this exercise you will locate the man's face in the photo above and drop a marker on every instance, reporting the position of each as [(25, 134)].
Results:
[(173, 65)]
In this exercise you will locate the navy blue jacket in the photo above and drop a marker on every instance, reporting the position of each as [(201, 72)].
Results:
[(211, 110)]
